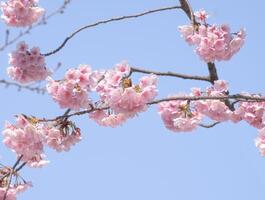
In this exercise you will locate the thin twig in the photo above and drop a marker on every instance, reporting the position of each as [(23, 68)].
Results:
[(11, 174), (209, 125), (177, 98), (43, 21), (109, 21), (34, 89), (173, 74)]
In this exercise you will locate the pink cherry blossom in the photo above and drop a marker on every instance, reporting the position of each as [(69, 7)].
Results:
[(22, 187), (61, 137), (117, 91), (178, 116), (11, 193), (213, 42), (103, 118), (24, 139), (214, 109), (72, 91), (27, 65), (21, 13), (260, 141), (251, 112), (201, 15)]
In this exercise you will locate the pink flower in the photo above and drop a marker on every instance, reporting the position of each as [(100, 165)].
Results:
[(21, 13), (62, 136), (251, 112), (201, 15), (11, 194), (24, 139), (72, 91), (178, 116), (117, 91), (13, 190), (260, 142), (214, 109), (213, 42), (103, 118), (27, 65)]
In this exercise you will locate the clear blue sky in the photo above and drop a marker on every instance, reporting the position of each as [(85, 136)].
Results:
[(143, 160)]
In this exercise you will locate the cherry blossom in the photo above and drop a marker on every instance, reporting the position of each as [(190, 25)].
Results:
[(21, 13), (117, 91), (215, 109), (11, 194), (104, 118), (260, 141), (251, 112), (61, 136), (27, 65), (213, 42), (178, 116), (24, 139), (72, 91), (201, 15)]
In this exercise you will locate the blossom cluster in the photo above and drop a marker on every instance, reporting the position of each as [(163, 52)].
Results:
[(185, 116), (26, 65), (212, 42), (9, 188), (72, 91), (21, 13), (122, 96), (28, 137), (12, 191)]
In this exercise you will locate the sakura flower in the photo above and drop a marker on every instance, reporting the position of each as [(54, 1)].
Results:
[(178, 116), (214, 109), (26, 65), (260, 142), (104, 118), (251, 112), (11, 189), (72, 91), (62, 136), (11, 193), (117, 91), (212, 42), (201, 15), (21, 13), (25, 140)]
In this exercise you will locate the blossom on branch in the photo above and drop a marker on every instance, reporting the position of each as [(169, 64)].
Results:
[(178, 116), (25, 139), (21, 13), (106, 118), (213, 42), (72, 91), (26, 65), (122, 96)]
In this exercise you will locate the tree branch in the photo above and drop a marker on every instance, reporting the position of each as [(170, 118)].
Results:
[(43, 21), (239, 97), (109, 21), (172, 74), (34, 89), (209, 125)]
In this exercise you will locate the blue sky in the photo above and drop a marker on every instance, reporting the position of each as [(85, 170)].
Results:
[(143, 160)]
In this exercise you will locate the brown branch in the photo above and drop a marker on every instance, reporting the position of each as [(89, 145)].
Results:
[(109, 21), (212, 72), (43, 21), (185, 6), (12, 171), (172, 74), (209, 125), (239, 97), (34, 89)]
